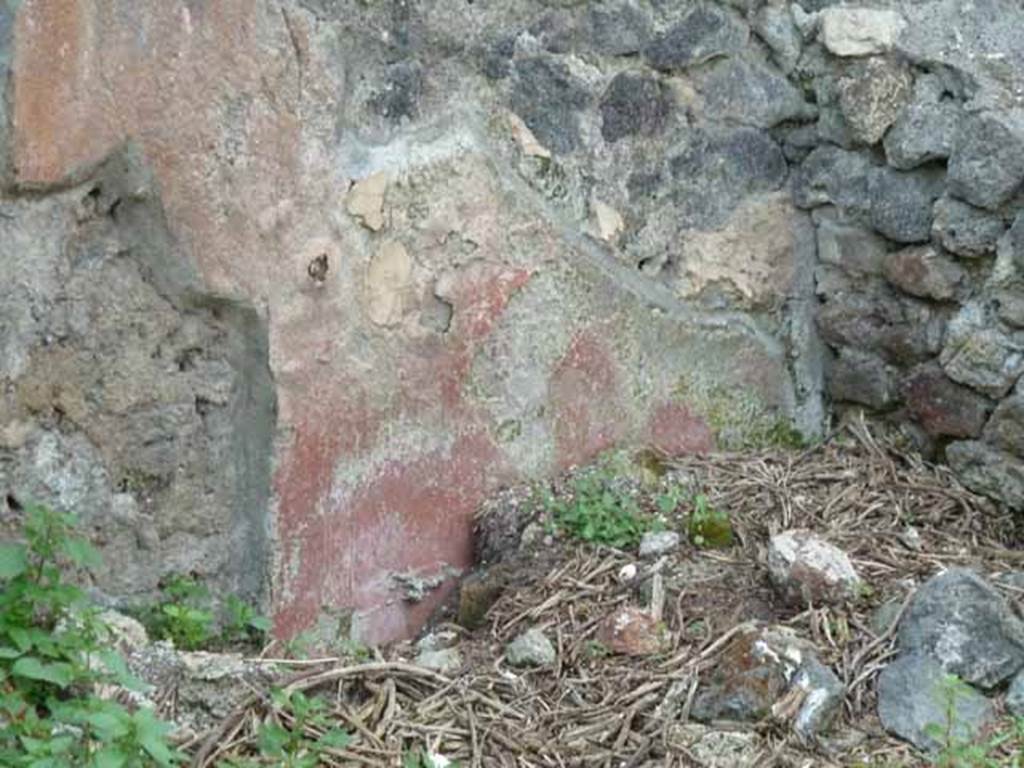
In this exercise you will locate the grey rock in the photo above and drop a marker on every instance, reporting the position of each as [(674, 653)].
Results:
[(927, 128), (926, 272), (655, 543), (774, 24), (761, 666), (915, 699), (716, 749), (555, 31), (1011, 246), (823, 698), (531, 649), (854, 31), (751, 93), (1015, 696), (443, 660), (901, 203), (902, 330), (979, 354), (872, 94), (986, 167), (858, 251), (705, 33), (716, 171), (988, 471), (399, 98), (634, 104), (837, 176), (884, 616), (805, 568), (549, 98), (618, 29), (967, 627), (1009, 304), (1005, 430), (942, 407), (861, 377), (965, 230), (497, 58)]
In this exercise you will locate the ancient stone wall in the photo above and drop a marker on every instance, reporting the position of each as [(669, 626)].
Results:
[(383, 256)]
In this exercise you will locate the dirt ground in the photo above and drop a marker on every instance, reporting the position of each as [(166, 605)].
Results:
[(899, 519)]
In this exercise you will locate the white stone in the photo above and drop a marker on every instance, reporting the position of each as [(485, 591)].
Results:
[(656, 543), (365, 200), (848, 31), (806, 568), (607, 220)]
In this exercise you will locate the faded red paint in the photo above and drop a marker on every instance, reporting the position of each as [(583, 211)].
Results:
[(675, 430), (341, 546), (586, 398)]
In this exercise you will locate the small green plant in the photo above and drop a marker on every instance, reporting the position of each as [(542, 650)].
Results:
[(598, 512), (55, 654), (1003, 747), (709, 528), (186, 617), (297, 734)]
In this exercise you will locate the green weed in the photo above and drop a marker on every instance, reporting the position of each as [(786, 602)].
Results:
[(709, 528), (54, 653), (598, 512)]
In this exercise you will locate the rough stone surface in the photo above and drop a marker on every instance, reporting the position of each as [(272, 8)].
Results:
[(926, 129), (716, 749), (981, 355), (986, 166), (443, 660), (531, 649), (1015, 696), (654, 544), (915, 698), (634, 105), (987, 470), (774, 24), (704, 33), (901, 203), (871, 96), (631, 631), (964, 625), (768, 670), (856, 250), (861, 377), (943, 407), (619, 29), (853, 31), (965, 230), (751, 93), (1005, 429), (925, 272), (806, 569), (549, 99)]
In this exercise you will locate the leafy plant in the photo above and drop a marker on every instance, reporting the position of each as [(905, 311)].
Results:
[(187, 618), (708, 527), (297, 734), (55, 654), (598, 512)]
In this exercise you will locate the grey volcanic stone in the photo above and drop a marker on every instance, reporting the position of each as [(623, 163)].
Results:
[(399, 99), (443, 660), (705, 33), (824, 696), (857, 251), (987, 470), (618, 29), (902, 330), (836, 176), (924, 271), (927, 128), (1015, 696), (531, 649), (943, 407), (965, 230), (901, 203), (751, 93), (634, 104), (774, 24), (967, 627), (871, 96), (805, 568), (1005, 429), (861, 377), (979, 354), (717, 170), (986, 167), (549, 99), (915, 698)]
